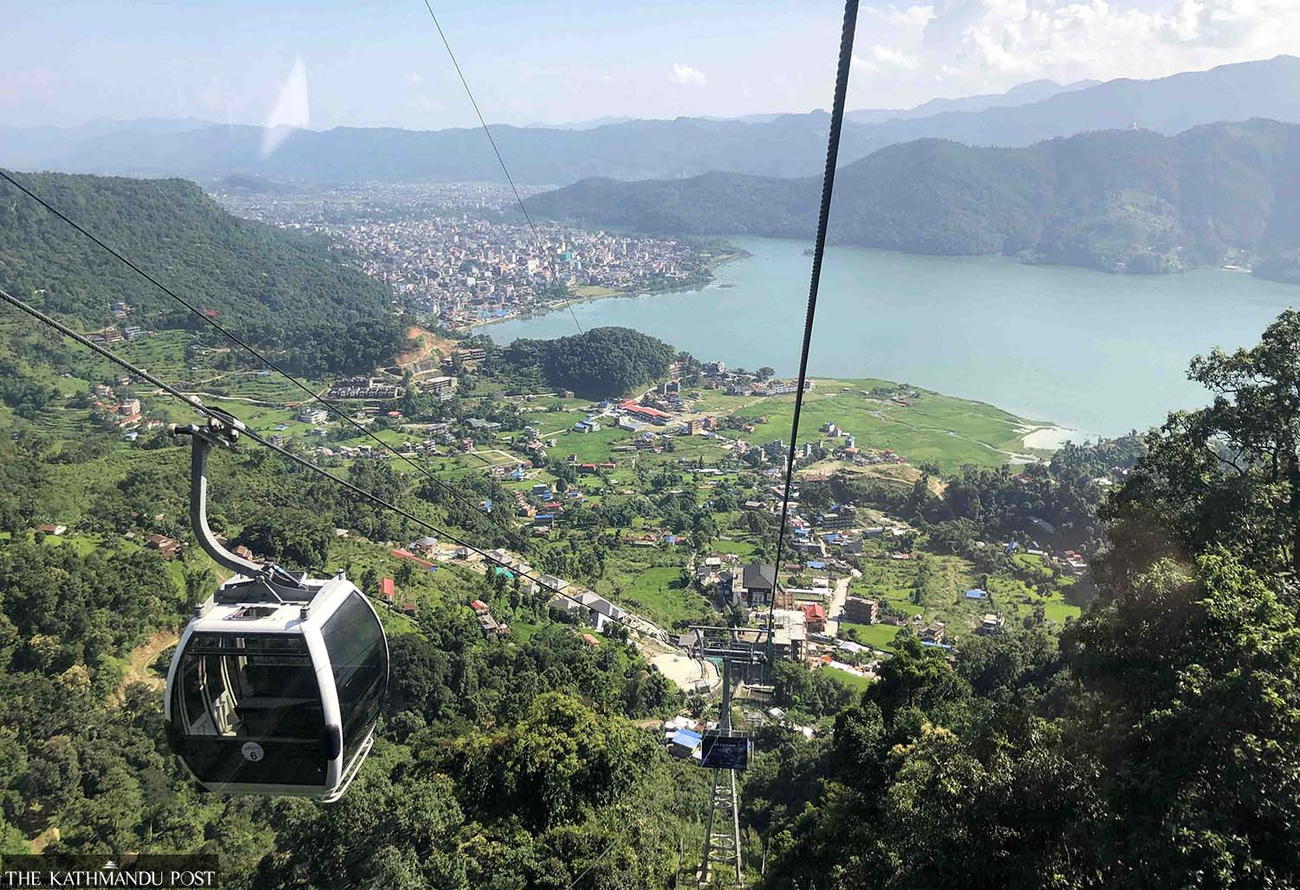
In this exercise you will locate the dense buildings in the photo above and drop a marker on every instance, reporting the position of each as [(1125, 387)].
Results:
[(445, 249)]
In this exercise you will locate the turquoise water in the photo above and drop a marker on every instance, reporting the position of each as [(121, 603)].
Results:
[(1099, 353)]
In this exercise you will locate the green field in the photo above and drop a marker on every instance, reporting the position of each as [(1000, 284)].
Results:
[(934, 587), (853, 681), (936, 428), (878, 636), (656, 592), (593, 447)]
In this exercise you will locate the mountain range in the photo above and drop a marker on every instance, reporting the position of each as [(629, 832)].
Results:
[(789, 145), (1021, 94), (1117, 200)]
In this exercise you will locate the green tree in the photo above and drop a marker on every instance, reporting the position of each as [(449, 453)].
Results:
[(293, 535), (1228, 473)]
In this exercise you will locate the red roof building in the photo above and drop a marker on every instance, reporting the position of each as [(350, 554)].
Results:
[(815, 616), (387, 590), (631, 407)]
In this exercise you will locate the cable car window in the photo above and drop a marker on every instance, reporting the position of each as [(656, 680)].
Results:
[(257, 688), (355, 643)]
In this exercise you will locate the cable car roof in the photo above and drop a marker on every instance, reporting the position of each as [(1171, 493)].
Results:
[(257, 616)]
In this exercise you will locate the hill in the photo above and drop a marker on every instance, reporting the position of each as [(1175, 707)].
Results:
[(791, 146), (1168, 105), (1118, 200), (601, 362), (1021, 94), (787, 145), (284, 291)]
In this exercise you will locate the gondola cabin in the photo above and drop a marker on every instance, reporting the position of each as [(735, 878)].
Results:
[(276, 686)]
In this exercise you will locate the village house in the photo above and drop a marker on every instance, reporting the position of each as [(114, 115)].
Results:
[(758, 582), (814, 617), (860, 610), (166, 547), (933, 633), (424, 545)]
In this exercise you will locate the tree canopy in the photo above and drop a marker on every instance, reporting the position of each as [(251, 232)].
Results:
[(600, 362)]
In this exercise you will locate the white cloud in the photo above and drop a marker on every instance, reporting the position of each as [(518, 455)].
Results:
[(414, 78), (982, 45), (686, 75), (887, 56), (861, 65), (912, 16)]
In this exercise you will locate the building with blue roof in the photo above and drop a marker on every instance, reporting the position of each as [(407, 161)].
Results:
[(684, 742)]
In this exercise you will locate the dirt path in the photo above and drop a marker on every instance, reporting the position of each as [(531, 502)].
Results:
[(431, 343), (835, 608), (44, 839), (684, 671), (137, 670)]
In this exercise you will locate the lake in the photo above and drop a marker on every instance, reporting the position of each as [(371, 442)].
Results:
[(1098, 353)]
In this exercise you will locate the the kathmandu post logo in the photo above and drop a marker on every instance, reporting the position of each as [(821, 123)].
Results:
[(154, 872)]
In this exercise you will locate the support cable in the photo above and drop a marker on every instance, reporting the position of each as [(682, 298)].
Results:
[(500, 160), (334, 408), (198, 406), (823, 217)]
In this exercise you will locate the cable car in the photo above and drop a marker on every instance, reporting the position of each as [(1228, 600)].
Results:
[(278, 680)]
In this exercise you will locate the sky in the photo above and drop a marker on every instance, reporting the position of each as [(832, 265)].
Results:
[(328, 63)]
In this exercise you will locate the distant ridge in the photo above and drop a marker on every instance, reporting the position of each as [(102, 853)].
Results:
[(1117, 200), (787, 145), (1021, 94)]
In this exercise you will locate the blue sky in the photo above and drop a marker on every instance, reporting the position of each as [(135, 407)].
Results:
[(381, 64)]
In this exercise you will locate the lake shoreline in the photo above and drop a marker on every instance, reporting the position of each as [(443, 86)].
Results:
[(1093, 352), (714, 263)]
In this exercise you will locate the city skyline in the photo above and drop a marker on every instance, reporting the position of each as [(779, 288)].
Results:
[(331, 64)]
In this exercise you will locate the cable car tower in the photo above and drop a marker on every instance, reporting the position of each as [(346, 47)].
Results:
[(726, 750)]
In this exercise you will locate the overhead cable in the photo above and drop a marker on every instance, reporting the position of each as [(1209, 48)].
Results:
[(333, 407), (823, 217), (500, 160)]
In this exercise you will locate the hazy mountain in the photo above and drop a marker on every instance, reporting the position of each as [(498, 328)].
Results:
[(1269, 88), (783, 145), (33, 147), (1119, 200), (1022, 94), (591, 124), (791, 146)]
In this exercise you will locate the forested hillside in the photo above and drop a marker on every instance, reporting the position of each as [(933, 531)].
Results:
[(1119, 200), (524, 751), (1157, 747), (1151, 742), (287, 292)]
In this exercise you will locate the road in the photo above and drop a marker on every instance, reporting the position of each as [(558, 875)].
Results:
[(836, 605)]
